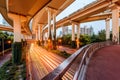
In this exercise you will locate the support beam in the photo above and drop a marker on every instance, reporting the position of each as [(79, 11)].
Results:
[(115, 24), (17, 26), (73, 32), (78, 35), (39, 31), (54, 29), (36, 33), (23, 37), (73, 44), (107, 28), (49, 23)]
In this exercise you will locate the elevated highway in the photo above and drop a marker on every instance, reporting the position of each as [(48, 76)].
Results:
[(41, 19), (92, 12), (6, 28)]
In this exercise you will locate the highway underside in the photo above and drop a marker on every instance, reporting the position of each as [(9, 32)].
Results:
[(42, 62), (105, 64)]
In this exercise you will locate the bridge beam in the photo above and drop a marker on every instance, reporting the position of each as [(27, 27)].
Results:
[(107, 28)]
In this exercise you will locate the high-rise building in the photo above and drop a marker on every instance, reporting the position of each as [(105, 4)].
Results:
[(83, 31), (87, 31), (65, 30)]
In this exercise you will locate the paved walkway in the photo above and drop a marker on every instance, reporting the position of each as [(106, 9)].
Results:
[(67, 49), (5, 58), (105, 64), (42, 62)]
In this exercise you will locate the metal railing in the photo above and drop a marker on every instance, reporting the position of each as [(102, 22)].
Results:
[(6, 50), (80, 72), (76, 62)]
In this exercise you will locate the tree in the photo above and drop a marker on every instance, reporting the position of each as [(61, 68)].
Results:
[(85, 39), (98, 38), (66, 39), (101, 35)]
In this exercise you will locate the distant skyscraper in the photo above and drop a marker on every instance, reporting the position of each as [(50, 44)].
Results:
[(87, 31), (83, 31), (65, 30)]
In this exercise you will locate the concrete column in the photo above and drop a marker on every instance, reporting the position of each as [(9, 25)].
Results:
[(36, 34), (54, 26), (107, 28), (54, 31), (39, 31), (23, 37), (17, 26), (115, 24), (78, 35), (17, 29), (73, 32), (49, 23)]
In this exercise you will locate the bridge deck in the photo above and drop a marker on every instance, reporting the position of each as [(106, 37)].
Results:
[(105, 64)]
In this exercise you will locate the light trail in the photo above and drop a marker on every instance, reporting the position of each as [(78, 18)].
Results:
[(43, 62)]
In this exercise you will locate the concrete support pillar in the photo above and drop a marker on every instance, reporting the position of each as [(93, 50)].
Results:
[(73, 32), (23, 37), (49, 23), (78, 35), (17, 26), (107, 28), (115, 24), (54, 31), (36, 34), (39, 31), (73, 43)]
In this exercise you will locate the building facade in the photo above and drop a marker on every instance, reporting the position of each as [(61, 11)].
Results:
[(86, 31)]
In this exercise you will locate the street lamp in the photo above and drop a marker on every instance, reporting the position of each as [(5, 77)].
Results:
[(9, 42), (59, 42)]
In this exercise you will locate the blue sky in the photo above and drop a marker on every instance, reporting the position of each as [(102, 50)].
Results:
[(77, 4)]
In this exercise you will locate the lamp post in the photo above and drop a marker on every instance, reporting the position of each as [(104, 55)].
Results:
[(59, 42)]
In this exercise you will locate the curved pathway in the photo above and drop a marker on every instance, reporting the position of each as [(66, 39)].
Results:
[(42, 62), (105, 64)]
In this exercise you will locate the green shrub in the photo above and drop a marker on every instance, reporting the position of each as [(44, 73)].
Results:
[(10, 71), (61, 53), (16, 52)]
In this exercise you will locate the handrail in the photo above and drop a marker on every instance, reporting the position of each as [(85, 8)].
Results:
[(80, 73), (58, 73), (6, 50), (85, 53)]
